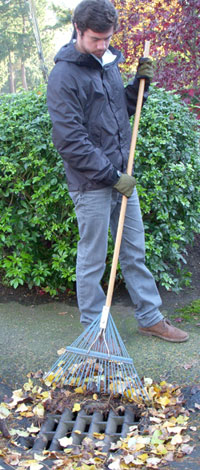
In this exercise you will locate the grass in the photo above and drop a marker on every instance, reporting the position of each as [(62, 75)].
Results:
[(190, 312)]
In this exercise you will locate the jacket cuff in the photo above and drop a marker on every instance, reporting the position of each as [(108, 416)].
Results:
[(115, 177)]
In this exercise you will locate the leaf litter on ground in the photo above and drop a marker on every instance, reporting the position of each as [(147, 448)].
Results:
[(160, 435)]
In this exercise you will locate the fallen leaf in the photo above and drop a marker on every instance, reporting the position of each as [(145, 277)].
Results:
[(169, 457), (35, 466), (38, 410), (61, 351), (39, 457), (177, 439), (187, 449), (4, 411), (76, 407), (164, 401), (33, 429), (21, 408), (182, 419), (148, 381), (115, 465), (175, 429), (143, 457), (155, 420), (65, 441), (19, 432), (128, 458), (79, 390), (153, 461), (187, 366), (28, 385), (12, 459), (98, 435)]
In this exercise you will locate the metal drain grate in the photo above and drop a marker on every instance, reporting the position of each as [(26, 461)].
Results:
[(110, 425)]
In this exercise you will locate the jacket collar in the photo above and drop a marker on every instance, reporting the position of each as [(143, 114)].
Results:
[(69, 53)]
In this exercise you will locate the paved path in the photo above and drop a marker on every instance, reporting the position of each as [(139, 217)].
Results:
[(30, 336)]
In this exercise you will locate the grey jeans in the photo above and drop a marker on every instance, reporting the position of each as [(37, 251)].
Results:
[(96, 211)]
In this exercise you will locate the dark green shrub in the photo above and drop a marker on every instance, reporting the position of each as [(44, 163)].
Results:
[(38, 229), (168, 173)]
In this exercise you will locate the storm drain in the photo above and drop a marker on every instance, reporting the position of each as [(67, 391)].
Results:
[(107, 427)]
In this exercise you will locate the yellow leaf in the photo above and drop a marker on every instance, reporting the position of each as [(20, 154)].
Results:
[(95, 396), (77, 407), (143, 457), (77, 431), (45, 394), (160, 449), (38, 410), (98, 435), (49, 379), (28, 414), (28, 385), (79, 390), (182, 419), (169, 424), (164, 401), (139, 446)]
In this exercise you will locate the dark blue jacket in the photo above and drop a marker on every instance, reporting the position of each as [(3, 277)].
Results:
[(90, 110)]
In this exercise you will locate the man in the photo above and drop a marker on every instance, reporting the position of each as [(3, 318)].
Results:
[(90, 111)]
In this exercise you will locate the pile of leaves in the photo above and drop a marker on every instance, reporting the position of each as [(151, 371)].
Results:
[(159, 436)]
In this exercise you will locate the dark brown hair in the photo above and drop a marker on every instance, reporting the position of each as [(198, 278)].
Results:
[(97, 15)]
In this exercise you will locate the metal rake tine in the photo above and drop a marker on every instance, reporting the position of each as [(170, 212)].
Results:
[(85, 370)]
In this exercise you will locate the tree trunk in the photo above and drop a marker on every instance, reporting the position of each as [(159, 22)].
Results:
[(36, 32), (11, 75), (23, 74)]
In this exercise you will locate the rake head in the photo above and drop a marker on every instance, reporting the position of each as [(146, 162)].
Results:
[(99, 360)]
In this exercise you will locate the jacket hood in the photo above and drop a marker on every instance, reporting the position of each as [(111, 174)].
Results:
[(69, 53)]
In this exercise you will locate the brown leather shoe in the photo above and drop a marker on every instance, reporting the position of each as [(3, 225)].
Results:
[(165, 330)]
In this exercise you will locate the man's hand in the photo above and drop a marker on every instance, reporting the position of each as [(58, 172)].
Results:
[(145, 69), (125, 185)]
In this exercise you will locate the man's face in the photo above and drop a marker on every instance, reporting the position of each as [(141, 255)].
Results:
[(91, 42)]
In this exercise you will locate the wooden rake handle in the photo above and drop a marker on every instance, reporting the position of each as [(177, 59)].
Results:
[(124, 198)]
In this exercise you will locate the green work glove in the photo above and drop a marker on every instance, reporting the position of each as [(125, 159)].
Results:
[(125, 184), (145, 68)]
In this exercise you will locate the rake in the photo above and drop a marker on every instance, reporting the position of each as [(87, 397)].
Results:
[(98, 359)]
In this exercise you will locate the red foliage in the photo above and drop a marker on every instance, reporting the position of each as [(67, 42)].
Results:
[(173, 27)]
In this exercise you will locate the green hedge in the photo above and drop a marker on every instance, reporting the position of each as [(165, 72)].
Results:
[(38, 229)]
